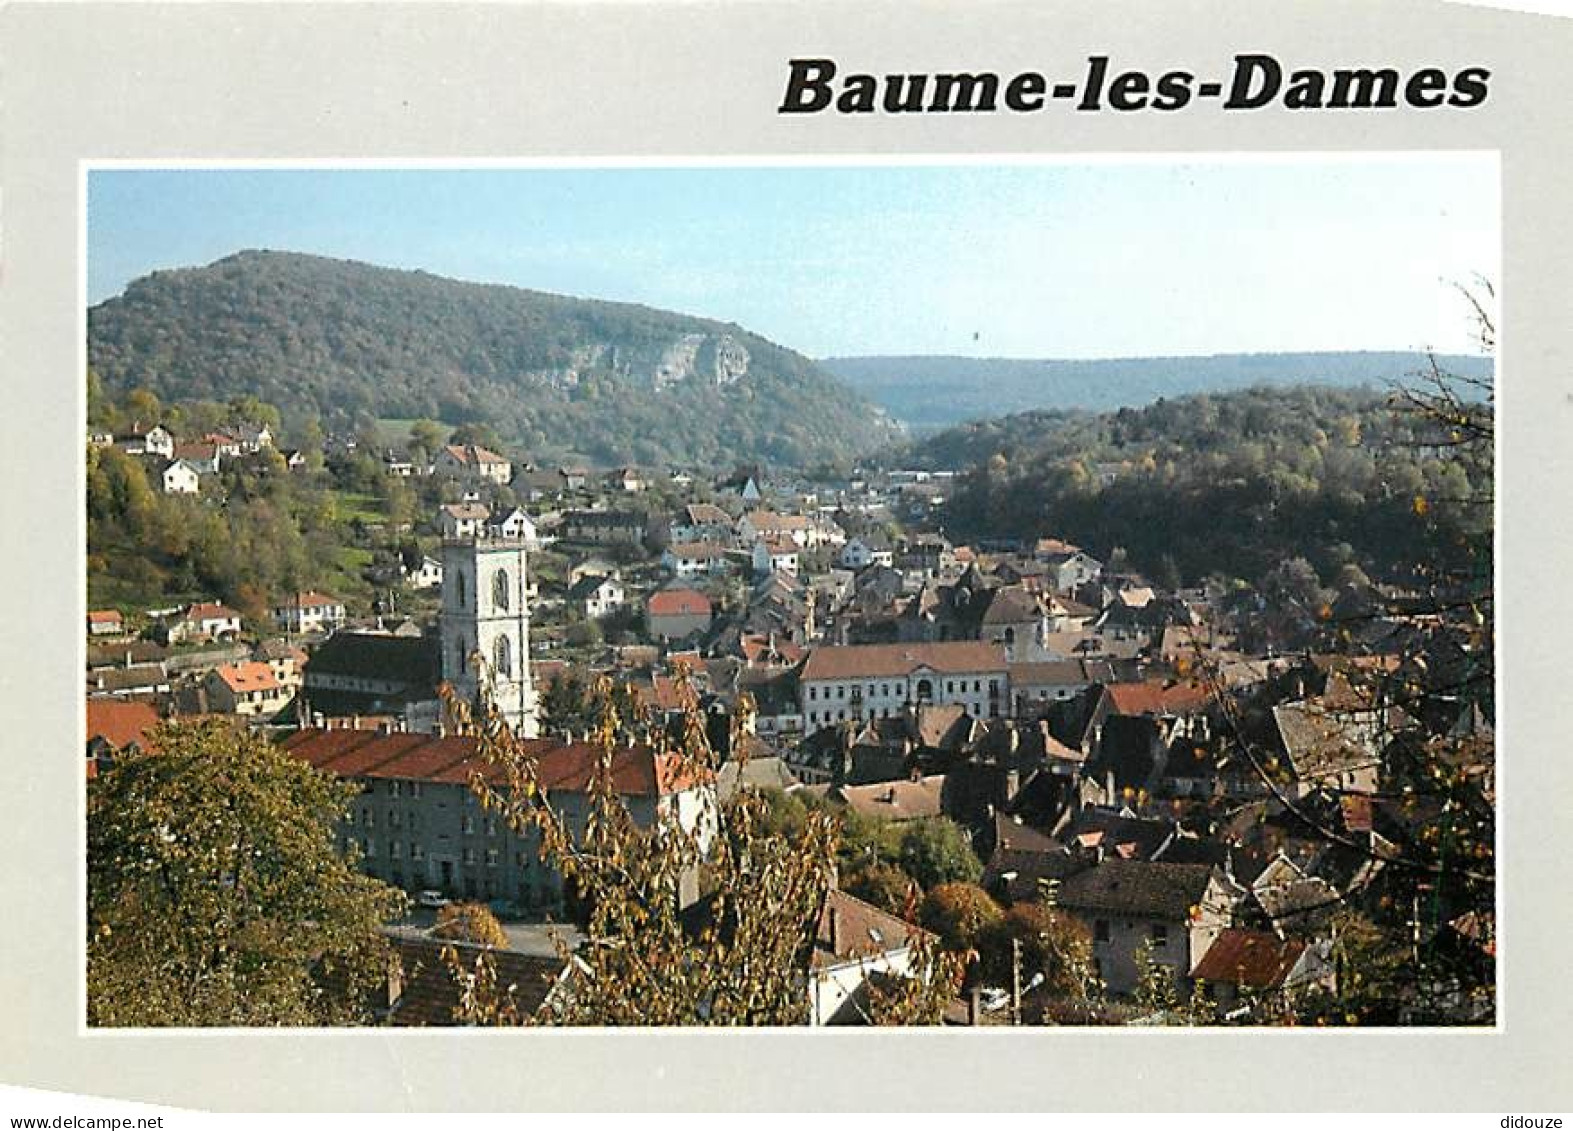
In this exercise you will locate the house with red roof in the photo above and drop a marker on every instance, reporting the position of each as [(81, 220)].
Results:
[(203, 620), (676, 614), (418, 825), (115, 726), (105, 622), (474, 463), (868, 681), (248, 688)]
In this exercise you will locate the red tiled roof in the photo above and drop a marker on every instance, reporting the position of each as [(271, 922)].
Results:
[(1257, 959), (697, 550), (862, 661), (636, 771), (120, 722), (248, 675), (473, 453), (1156, 698), (850, 929), (103, 616), (309, 599), (210, 610)]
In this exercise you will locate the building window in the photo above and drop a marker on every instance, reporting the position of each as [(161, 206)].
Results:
[(491, 858), (1100, 930), (500, 589), (395, 850), (393, 789), (368, 847), (502, 655), (813, 693), (467, 826), (417, 852), (469, 856), (458, 576), (415, 789), (1160, 934), (368, 818)]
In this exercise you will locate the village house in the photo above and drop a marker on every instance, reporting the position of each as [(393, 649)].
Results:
[(1069, 566), (203, 620), (249, 689), (180, 478), (200, 455), (774, 555), (105, 622), (146, 440), (512, 523), (116, 726), (876, 680), (464, 520), (285, 660), (688, 560), (474, 464), (1174, 911), (860, 552), (308, 612), (598, 596), (253, 437), (604, 528), (701, 522), (626, 479), (1247, 971), (426, 575), (419, 825), (855, 943), (130, 681), (676, 614), (353, 673)]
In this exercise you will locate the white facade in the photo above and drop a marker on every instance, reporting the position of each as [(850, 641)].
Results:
[(984, 694), (485, 612), (180, 478)]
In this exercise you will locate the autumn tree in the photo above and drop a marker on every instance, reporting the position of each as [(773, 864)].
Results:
[(739, 956), (961, 914), (216, 895), (469, 923)]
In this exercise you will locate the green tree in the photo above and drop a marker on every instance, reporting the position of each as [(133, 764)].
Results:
[(884, 885), (426, 438), (936, 850), (216, 895)]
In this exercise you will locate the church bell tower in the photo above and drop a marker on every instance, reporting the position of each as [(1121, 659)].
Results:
[(486, 614)]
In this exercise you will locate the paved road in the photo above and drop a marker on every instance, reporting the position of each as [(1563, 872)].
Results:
[(524, 937)]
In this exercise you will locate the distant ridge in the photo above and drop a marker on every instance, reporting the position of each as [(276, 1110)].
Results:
[(345, 341), (933, 392)]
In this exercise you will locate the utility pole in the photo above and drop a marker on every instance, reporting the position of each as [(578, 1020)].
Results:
[(1015, 981)]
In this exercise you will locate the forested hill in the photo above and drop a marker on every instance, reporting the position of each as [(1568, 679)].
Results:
[(929, 393), (345, 341), (1231, 484)]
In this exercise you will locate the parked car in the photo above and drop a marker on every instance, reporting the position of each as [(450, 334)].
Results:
[(432, 898)]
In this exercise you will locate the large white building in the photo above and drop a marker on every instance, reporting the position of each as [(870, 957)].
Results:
[(871, 681), (485, 626)]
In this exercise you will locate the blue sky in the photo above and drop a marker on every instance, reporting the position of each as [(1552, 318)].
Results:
[(1107, 259)]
